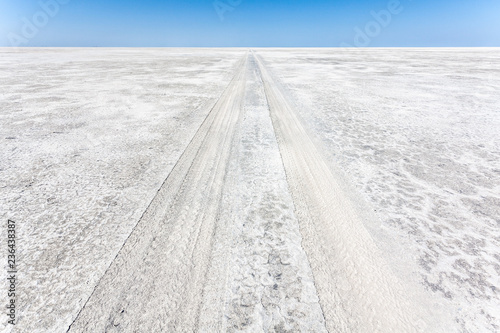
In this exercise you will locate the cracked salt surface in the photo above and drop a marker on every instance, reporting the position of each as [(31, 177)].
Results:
[(352, 182), (270, 286), (416, 133), (96, 133)]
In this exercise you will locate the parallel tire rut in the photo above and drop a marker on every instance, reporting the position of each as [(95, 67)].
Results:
[(357, 290), (155, 282)]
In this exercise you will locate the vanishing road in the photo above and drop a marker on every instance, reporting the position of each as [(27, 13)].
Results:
[(250, 232)]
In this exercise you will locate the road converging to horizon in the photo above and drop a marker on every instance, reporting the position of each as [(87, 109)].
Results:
[(327, 275), (276, 199)]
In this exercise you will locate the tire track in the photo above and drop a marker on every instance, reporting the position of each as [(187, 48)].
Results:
[(265, 282), (156, 281), (358, 291)]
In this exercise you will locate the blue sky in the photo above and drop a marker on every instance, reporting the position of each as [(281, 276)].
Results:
[(249, 23)]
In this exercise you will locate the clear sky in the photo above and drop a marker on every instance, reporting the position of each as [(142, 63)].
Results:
[(249, 23)]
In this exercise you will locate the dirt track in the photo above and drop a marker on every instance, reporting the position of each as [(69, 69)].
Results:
[(177, 271), (168, 276), (193, 191), (157, 279)]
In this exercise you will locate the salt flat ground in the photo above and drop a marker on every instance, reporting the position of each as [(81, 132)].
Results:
[(275, 190)]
